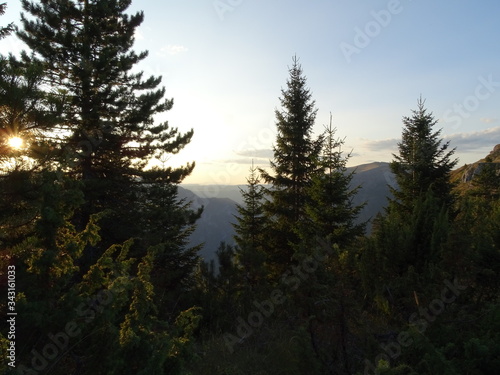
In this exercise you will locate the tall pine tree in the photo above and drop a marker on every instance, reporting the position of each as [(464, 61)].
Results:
[(95, 148), (294, 163), (330, 228), (107, 132), (408, 241)]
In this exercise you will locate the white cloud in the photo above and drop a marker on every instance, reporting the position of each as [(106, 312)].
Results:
[(254, 153), (381, 145), (138, 35), (464, 142), (488, 120), (172, 49), (471, 142)]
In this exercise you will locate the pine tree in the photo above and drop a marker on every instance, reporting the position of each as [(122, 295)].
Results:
[(408, 241), (91, 135), (25, 169), (330, 211), (294, 163), (423, 163), (250, 227), (328, 232), (424, 196), (219, 286), (107, 132), (107, 136)]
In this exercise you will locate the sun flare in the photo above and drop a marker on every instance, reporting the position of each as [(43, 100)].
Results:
[(16, 143)]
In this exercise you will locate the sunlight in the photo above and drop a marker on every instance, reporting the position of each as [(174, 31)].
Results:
[(16, 143)]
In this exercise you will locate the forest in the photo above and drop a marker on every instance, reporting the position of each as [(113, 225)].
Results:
[(96, 272)]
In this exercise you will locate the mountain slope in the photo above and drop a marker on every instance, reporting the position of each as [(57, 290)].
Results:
[(374, 180), (463, 175), (214, 224)]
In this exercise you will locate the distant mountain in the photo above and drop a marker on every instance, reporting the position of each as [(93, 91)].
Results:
[(216, 191), (220, 201), (214, 225), (374, 180)]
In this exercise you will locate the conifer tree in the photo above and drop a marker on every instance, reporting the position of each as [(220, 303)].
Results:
[(328, 232), (219, 286), (294, 163), (330, 211), (26, 169), (166, 222), (409, 239), (423, 163), (98, 118), (107, 132), (250, 227), (424, 195), (107, 136)]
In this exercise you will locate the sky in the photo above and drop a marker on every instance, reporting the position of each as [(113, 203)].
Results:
[(225, 62)]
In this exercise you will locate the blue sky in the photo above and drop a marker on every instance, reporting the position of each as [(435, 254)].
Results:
[(367, 62)]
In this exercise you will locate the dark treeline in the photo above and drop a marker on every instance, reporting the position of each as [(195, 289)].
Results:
[(105, 282)]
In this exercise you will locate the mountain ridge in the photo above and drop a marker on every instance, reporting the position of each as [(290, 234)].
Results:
[(220, 202), (374, 181)]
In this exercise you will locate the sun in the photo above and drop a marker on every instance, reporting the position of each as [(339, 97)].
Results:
[(16, 143)]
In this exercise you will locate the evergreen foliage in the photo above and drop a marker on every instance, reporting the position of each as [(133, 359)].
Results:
[(219, 286), (486, 182), (423, 163), (5, 30), (107, 135), (79, 191), (405, 251), (330, 211), (250, 228), (294, 164), (25, 112)]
